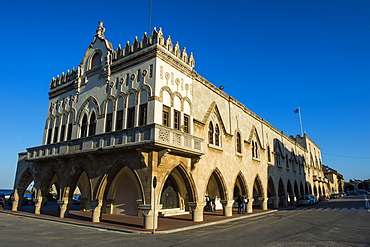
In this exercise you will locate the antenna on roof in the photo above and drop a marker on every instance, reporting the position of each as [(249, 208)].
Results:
[(150, 16)]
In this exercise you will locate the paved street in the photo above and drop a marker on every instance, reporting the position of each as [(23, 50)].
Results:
[(339, 222)]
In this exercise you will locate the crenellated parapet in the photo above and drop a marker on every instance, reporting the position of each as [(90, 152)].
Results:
[(155, 38), (64, 78)]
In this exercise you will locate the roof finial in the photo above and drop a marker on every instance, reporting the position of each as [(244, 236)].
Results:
[(100, 30)]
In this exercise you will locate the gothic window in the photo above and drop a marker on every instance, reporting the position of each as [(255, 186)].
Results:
[(69, 127), (92, 124), (84, 126), (56, 130), (186, 124), (130, 117), (166, 116), (119, 120), (109, 117), (217, 135), (96, 60), (176, 120), (63, 128), (238, 143), (255, 153), (143, 114), (143, 108), (268, 154), (50, 131), (108, 122), (119, 116), (210, 133)]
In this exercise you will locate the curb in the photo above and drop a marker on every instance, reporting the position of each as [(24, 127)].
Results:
[(123, 230)]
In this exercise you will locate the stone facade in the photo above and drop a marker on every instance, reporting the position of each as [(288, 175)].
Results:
[(335, 183), (127, 116)]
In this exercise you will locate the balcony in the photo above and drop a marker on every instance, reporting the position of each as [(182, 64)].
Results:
[(155, 136)]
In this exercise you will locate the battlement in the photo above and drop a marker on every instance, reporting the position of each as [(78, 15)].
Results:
[(64, 78), (156, 38)]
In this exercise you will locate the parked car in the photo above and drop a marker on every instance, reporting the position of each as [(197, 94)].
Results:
[(323, 198), (2, 203), (27, 198), (305, 200), (76, 199), (314, 199), (334, 196)]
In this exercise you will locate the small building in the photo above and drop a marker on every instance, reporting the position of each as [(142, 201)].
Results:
[(128, 116), (335, 183)]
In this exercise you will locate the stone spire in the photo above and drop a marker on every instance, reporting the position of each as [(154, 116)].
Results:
[(100, 30)]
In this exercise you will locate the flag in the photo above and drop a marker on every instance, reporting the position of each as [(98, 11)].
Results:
[(296, 110)]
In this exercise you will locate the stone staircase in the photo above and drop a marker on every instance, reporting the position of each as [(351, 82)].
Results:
[(171, 212)]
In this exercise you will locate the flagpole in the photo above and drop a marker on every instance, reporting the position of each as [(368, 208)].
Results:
[(300, 120), (150, 17)]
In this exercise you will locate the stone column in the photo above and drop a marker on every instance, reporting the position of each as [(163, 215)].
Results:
[(39, 204), (64, 207), (227, 206), (284, 201), (250, 205), (150, 216), (264, 203), (96, 211), (276, 202), (139, 211), (15, 201), (197, 209)]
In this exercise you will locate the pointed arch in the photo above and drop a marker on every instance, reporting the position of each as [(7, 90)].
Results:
[(254, 133), (169, 91), (187, 179), (90, 102), (213, 110), (106, 182), (241, 184), (258, 186), (271, 190), (216, 186)]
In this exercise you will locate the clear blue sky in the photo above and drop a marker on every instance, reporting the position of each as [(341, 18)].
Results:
[(284, 54)]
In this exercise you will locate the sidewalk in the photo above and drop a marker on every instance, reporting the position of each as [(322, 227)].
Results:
[(134, 224)]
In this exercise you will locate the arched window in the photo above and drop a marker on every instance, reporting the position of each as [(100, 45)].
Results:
[(119, 116), (96, 60), (50, 131), (109, 117), (131, 111), (92, 124), (217, 135), (268, 154), (210, 133), (238, 143), (143, 107), (84, 126), (56, 130), (255, 149), (69, 126), (63, 128)]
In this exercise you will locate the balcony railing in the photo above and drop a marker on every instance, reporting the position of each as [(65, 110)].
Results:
[(150, 134)]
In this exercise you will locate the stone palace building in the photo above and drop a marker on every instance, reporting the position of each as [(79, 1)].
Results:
[(126, 117)]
